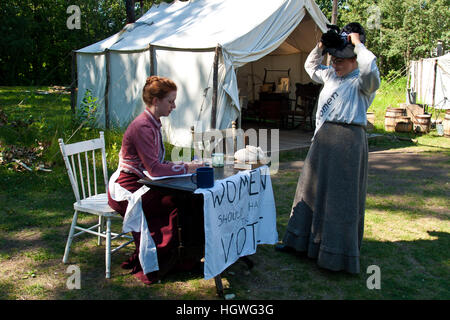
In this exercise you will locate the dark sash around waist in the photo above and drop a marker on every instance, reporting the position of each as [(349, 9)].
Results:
[(347, 124)]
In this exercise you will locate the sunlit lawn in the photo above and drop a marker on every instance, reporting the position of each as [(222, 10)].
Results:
[(406, 227)]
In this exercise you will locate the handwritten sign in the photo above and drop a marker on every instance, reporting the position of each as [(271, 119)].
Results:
[(239, 214)]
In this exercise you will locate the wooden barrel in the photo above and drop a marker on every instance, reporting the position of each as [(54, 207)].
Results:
[(412, 109), (446, 123), (422, 123), (370, 121), (403, 124), (395, 112), (390, 119)]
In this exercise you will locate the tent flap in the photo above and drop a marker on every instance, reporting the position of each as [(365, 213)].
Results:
[(430, 80)]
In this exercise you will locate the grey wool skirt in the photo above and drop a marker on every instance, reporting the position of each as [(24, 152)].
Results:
[(327, 217)]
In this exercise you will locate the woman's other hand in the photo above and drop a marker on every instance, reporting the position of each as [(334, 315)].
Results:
[(192, 166)]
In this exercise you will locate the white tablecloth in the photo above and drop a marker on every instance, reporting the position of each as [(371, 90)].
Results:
[(239, 214)]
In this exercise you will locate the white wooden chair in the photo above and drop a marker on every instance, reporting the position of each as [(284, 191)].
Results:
[(93, 202)]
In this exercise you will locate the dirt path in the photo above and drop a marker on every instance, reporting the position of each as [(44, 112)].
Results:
[(410, 171), (415, 161)]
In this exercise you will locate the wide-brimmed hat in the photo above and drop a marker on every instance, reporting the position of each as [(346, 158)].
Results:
[(336, 42), (346, 52)]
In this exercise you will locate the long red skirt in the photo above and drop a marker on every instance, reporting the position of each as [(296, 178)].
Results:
[(161, 213)]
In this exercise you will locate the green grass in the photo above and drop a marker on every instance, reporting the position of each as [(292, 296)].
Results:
[(390, 94), (406, 234), (407, 228)]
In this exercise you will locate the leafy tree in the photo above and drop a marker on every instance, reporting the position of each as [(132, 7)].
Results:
[(36, 43), (327, 7), (407, 30)]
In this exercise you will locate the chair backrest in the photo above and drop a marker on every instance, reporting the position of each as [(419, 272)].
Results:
[(80, 160), (243, 101), (226, 141), (307, 94), (310, 90)]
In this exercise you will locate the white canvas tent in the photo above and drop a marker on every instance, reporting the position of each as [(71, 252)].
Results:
[(429, 79), (195, 43)]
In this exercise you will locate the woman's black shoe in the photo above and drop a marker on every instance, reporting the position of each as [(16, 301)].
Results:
[(284, 248)]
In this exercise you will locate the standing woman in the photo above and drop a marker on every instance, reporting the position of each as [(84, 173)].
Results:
[(143, 149), (327, 217)]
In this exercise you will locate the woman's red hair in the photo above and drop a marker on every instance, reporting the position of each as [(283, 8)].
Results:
[(157, 87)]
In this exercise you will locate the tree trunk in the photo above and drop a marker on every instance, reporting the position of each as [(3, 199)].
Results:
[(131, 17), (334, 12), (380, 58)]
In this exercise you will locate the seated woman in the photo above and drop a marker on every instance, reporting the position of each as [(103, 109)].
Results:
[(143, 149)]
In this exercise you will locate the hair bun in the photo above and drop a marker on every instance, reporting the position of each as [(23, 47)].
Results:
[(151, 79), (157, 87)]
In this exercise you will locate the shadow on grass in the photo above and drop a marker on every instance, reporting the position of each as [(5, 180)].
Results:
[(409, 270), (415, 269), (34, 200), (408, 180)]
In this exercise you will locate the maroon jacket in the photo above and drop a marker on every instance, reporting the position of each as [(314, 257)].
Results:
[(143, 149)]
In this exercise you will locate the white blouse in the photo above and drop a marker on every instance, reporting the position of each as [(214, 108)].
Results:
[(344, 99)]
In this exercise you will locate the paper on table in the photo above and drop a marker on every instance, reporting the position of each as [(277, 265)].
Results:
[(167, 177)]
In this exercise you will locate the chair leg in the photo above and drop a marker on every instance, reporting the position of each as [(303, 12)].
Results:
[(100, 229), (70, 237), (108, 247)]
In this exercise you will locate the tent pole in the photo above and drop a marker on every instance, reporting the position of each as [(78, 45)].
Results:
[(415, 84), (152, 60), (108, 78), (434, 84), (408, 89), (73, 85), (409, 74), (215, 84), (253, 82)]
